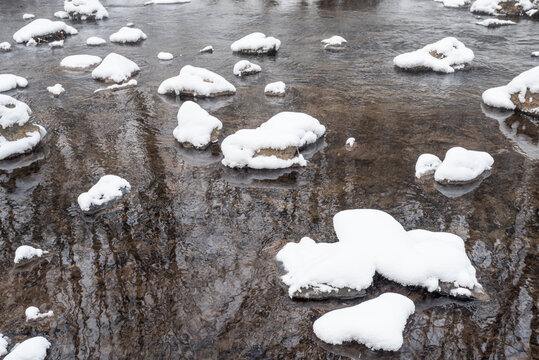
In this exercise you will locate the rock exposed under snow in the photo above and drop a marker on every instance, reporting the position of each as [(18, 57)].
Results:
[(85, 9), (116, 87), (56, 44), (277, 88), (165, 2), (207, 49), (244, 68), (109, 188), (461, 166), (9, 82), (196, 82), (32, 349), (43, 31), (56, 90), (28, 16), (196, 127), (128, 35), (446, 55), (426, 164), (522, 93), (372, 241), (273, 145), (95, 41), (27, 252), (5, 46), (256, 43), (377, 323), (33, 313), (527, 8), (334, 43), (165, 56), (492, 23), (115, 68), (80, 61), (61, 14)]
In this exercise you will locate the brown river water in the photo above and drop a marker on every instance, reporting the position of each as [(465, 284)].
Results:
[(183, 266)]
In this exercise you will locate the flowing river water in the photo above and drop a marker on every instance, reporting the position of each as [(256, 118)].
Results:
[(183, 266)]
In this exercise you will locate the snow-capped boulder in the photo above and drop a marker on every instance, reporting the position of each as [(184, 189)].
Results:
[(115, 68), (5, 46), (165, 56), (165, 2), (244, 68), (527, 8), (196, 82), (207, 49), (128, 35), (56, 90), (28, 16), (196, 127), (3, 344), (33, 313), (77, 62), (522, 93), (426, 164), (376, 323), (493, 23), (277, 88), (95, 41), (372, 241), (85, 9), (256, 43), (27, 252), (334, 43), (61, 14), (32, 349), (461, 166), (56, 44), (446, 55), (43, 31), (273, 145), (9, 82), (108, 189)]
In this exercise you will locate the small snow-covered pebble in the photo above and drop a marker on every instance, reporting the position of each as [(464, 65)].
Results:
[(85, 9), (128, 35), (454, 3), (334, 41), (56, 90), (32, 349), (28, 16), (33, 313), (107, 189), (80, 61), (275, 89), (197, 82), (426, 163), (244, 68), (460, 292), (350, 141), (95, 41), (57, 44), (207, 49), (61, 14), (9, 81), (5, 46), (165, 56), (27, 252)]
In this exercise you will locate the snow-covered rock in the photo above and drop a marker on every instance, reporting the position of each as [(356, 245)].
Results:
[(372, 241), (3, 344), (5, 46), (33, 313), (116, 87), (128, 35), (350, 142), (277, 88), (454, 3), (196, 127), (32, 349), (95, 41), (165, 56), (522, 93), (28, 16), (334, 43), (85, 9), (80, 61), (56, 90), (273, 145), (462, 166), (256, 43), (165, 2), (426, 164), (535, 53), (244, 68), (13, 112), (9, 82), (506, 7), (43, 31), (492, 23), (446, 55), (196, 82), (61, 14), (56, 44), (109, 188), (207, 49), (377, 323), (115, 68), (27, 252)]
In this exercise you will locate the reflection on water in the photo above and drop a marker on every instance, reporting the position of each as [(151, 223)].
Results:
[(183, 266)]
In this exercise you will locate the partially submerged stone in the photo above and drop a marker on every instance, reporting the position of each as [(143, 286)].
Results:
[(494, 23), (335, 43), (255, 44), (115, 68), (277, 88), (10, 81), (5, 46), (128, 35), (43, 31), (196, 127), (196, 82), (207, 50), (107, 190), (245, 68)]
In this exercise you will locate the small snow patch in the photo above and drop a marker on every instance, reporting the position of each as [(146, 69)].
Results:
[(5, 46), (207, 49), (128, 35), (27, 252), (116, 87), (277, 88), (196, 82), (33, 313), (95, 41), (80, 61), (61, 14), (426, 164), (107, 189), (350, 141), (56, 44), (56, 90), (491, 23), (116, 68), (28, 16), (165, 56), (334, 42)]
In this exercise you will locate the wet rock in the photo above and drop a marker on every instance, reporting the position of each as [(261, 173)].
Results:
[(477, 293), (284, 154)]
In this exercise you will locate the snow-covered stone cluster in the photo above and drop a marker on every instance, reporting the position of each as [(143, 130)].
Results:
[(196, 82), (108, 189), (85, 9)]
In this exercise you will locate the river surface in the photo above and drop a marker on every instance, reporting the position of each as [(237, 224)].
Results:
[(183, 266)]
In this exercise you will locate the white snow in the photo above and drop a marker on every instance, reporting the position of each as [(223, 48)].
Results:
[(80, 61), (13, 111), (377, 323), (495, 22), (61, 14), (454, 3), (426, 163), (115, 87), (461, 165), (40, 27), (256, 43), (350, 141), (107, 189), (373, 241), (22, 145), (165, 56), (33, 313), (9, 82), (455, 54), (277, 88), (128, 35), (5, 46), (535, 53), (244, 67), (284, 130), (195, 125), (95, 41), (57, 44), (163, 2), (31, 42), (27, 252), (85, 9), (56, 90), (492, 7), (32, 349), (334, 41), (207, 49), (197, 82), (3, 344), (116, 68), (501, 96), (460, 292), (28, 16)]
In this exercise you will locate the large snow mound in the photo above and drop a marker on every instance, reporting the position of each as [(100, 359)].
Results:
[(32, 349), (13, 111), (445, 56), (197, 82), (377, 323), (116, 68), (274, 144), (107, 189), (9, 81), (27, 252), (128, 35), (256, 43), (85, 9), (245, 67), (196, 126), (461, 165), (42, 27), (80, 61)]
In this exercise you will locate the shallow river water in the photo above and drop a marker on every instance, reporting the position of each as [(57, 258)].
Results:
[(183, 266)]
